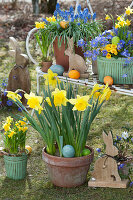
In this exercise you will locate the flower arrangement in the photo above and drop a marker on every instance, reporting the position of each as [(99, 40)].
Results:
[(63, 113), (64, 24), (14, 135), (115, 43)]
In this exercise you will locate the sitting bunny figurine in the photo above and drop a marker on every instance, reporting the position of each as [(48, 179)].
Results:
[(75, 61), (19, 77), (105, 172)]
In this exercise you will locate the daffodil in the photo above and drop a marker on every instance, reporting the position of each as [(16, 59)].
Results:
[(51, 78), (117, 26), (34, 101), (6, 126), (81, 103), (108, 56), (122, 23), (11, 134), (40, 24), (96, 90), (22, 122), (107, 17), (14, 96), (9, 120), (128, 10), (128, 23), (105, 94), (48, 101), (59, 97), (24, 129)]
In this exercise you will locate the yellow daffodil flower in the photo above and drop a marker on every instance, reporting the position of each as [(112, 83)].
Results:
[(122, 23), (128, 10), (108, 56), (14, 96), (128, 23), (117, 26), (6, 126), (11, 134), (51, 78), (119, 18), (22, 122), (24, 129), (96, 90), (105, 95), (81, 103), (40, 24), (59, 97), (48, 101), (107, 17), (51, 19), (9, 120), (34, 101)]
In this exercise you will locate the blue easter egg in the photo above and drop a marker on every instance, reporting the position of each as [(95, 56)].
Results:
[(57, 69), (68, 151)]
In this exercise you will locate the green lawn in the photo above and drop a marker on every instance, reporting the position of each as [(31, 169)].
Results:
[(114, 115)]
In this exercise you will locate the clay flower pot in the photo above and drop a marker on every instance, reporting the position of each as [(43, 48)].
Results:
[(127, 165), (46, 66), (67, 172), (61, 58)]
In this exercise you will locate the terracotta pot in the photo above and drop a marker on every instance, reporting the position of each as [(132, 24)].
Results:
[(61, 58), (68, 172), (46, 66)]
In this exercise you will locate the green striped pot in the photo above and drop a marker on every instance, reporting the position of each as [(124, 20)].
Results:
[(114, 68), (16, 166)]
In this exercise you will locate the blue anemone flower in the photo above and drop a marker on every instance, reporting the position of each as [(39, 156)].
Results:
[(118, 138), (88, 54), (94, 43), (125, 53), (104, 52), (9, 103), (98, 150), (4, 84), (94, 56), (81, 43)]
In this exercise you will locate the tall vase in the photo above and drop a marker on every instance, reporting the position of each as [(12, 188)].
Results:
[(61, 58)]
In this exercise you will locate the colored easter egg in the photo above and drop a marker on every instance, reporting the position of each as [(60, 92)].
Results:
[(86, 152), (51, 152), (28, 149), (57, 69), (115, 40), (68, 151)]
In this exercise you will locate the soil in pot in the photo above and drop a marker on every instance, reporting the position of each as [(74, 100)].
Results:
[(68, 172)]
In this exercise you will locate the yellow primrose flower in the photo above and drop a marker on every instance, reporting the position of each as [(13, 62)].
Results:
[(81, 103), (128, 10), (59, 97), (108, 48), (34, 101), (11, 134), (9, 120), (14, 96), (128, 23), (108, 56), (114, 51), (6, 127), (107, 17), (48, 101), (113, 46), (51, 78), (117, 26)]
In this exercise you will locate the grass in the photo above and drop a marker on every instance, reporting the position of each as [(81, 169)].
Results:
[(114, 115)]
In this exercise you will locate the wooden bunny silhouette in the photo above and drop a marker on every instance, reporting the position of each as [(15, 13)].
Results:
[(106, 169), (76, 61), (19, 77)]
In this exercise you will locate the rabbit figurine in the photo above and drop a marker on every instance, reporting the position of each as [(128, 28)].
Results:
[(75, 61), (105, 168), (19, 77)]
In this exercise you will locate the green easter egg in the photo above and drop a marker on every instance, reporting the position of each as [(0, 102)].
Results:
[(86, 152), (115, 40)]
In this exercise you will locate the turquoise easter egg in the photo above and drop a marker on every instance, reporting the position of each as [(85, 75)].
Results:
[(68, 151), (57, 69)]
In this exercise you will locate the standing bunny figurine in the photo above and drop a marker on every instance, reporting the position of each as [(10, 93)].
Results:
[(76, 61), (105, 172), (19, 77)]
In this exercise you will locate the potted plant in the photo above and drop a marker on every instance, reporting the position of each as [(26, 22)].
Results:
[(113, 51), (15, 157), (63, 25), (44, 45), (64, 120)]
